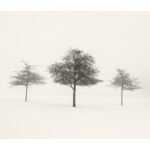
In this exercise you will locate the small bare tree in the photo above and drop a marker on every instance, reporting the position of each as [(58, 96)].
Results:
[(76, 69), (125, 82), (27, 77)]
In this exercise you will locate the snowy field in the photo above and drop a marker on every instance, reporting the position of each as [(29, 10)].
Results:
[(95, 117)]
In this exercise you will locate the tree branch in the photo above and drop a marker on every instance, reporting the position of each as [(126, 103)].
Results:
[(70, 85)]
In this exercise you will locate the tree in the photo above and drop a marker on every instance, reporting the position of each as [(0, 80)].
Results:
[(76, 69), (27, 77), (125, 82)]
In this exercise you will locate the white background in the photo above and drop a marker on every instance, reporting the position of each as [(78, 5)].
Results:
[(115, 40), (75, 5)]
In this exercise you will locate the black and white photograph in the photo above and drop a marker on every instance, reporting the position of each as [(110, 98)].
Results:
[(74, 74)]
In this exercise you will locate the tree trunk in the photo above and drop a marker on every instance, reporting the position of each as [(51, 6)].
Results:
[(26, 95), (122, 95), (74, 96)]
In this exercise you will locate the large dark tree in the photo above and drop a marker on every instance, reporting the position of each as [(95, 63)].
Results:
[(76, 69), (125, 82), (27, 77)]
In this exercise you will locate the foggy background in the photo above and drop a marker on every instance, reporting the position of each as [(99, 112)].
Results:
[(114, 39)]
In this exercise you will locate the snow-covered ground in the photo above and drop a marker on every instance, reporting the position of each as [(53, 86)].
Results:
[(94, 117)]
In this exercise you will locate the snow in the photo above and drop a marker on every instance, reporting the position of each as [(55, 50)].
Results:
[(94, 117)]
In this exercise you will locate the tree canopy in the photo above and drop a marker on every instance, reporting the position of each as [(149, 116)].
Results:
[(76, 66), (123, 79), (26, 76)]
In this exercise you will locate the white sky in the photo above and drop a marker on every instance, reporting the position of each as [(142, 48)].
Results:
[(114, 39)]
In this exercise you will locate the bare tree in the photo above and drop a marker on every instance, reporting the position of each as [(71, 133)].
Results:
[(125, 82), (76, 69), (27, 77)]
